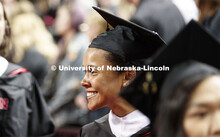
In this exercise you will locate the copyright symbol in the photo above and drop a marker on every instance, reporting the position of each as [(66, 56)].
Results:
[(53, 67)]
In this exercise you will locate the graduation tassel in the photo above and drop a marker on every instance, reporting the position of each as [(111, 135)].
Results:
[(149, 86), (150, 89)]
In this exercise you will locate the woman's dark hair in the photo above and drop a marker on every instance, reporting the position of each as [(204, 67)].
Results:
[(5, 45), (117, 60), (169, 121)]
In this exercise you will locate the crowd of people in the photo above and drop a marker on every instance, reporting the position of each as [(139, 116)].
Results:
[(38, 37)]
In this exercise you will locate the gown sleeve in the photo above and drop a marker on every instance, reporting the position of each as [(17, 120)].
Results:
[(40, 122)]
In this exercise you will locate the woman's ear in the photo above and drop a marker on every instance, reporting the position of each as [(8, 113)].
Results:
[(128, 77)]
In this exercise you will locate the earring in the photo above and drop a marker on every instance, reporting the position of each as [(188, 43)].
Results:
[(125, 84)]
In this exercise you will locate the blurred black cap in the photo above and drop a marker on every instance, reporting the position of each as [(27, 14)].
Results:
[(128, 40), (192, 43)]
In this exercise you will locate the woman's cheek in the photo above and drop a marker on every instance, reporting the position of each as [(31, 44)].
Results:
[(195, 128)]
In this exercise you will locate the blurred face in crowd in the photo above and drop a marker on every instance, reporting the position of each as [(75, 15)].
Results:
[(202, 116), (62, 21), (2, 23), (105, 3), (103, 86), (94, 29)]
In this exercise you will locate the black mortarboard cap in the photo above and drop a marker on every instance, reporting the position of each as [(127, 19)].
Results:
[(192, 43), (128, 40)]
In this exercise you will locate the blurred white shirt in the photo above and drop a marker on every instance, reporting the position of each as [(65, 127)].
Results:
[(4, 65), (129, 124), (188, 9)]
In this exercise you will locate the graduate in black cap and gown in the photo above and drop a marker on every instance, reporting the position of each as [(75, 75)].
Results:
[(193, 59), (123, 46), (23, 111)]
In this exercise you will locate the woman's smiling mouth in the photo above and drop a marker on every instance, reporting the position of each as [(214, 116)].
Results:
[(91, 94)]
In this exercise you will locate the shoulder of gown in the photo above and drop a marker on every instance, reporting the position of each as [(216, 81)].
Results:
[(98, 128)]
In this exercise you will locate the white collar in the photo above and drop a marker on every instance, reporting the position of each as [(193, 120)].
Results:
[(188, 9), (129, 124), (3, 66)]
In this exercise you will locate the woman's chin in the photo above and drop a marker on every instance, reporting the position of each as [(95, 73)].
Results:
[(93, 107)]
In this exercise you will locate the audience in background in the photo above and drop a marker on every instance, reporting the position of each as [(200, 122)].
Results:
[(66, 98), (210, 16), (33, 44)]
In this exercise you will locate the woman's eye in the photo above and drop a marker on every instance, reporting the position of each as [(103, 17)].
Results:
[(93, 71), (200, 115)]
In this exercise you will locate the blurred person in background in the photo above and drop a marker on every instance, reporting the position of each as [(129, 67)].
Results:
[(46, 9), (23, 111), (110, 5), (188, 9), (210, 16), (69, 17), (92, 30), (66, 98), (33, 44), (9, 4), (126, 9), (122, 8), (167, 17), (190, 107)]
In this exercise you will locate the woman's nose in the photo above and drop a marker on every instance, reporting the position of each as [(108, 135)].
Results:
[(85, 82)]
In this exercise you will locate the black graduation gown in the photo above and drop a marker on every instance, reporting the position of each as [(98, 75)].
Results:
[(23, 111), (101, 128)]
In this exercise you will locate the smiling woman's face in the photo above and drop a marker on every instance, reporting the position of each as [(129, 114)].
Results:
[(2, 23), (102, 87), (202, 116)]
